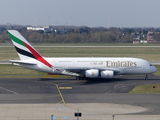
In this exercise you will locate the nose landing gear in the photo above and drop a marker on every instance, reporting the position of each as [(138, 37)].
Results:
[(146, 78)]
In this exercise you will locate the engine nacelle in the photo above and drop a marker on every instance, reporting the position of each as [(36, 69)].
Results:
[(92, 73), (107, 74)]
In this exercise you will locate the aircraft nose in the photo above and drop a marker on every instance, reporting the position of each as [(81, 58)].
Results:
[(154, 69)]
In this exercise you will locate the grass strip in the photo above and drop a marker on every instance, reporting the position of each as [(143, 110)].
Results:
[(12, 71), (155, 88), (150, 54)]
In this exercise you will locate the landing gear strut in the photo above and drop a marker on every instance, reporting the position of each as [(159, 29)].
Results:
[(146, 77), (77, 78)]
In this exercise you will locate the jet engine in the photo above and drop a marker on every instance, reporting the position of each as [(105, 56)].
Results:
[(107, 74), (94, 73), (91, 73)]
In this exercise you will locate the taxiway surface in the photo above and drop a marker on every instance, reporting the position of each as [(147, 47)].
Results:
[(68, 91), (54, 90)]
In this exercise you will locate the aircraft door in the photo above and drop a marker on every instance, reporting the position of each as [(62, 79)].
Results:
[(55, 62)]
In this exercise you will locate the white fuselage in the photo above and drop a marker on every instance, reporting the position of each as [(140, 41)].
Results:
[(122, 65)]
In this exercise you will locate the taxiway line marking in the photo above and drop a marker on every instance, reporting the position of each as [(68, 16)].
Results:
[(61, 95), (65, 87), (63, 101), (9, 90)]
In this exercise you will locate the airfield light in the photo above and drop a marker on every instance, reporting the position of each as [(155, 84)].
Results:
[(78, 114), (113, 116)]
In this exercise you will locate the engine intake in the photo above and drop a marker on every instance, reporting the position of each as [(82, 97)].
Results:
[(107, 74), (92, 73)]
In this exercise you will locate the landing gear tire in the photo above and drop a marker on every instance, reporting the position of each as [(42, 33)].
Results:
[(146, 78), (77, 78), (80, 78)]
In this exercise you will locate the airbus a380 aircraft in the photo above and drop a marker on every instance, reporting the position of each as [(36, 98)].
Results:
[(80, 67)]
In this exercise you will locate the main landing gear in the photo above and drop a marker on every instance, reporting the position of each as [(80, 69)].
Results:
[(80, 78), (146, 78)]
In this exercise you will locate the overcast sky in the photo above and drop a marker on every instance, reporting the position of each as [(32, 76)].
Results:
[(91, 13)]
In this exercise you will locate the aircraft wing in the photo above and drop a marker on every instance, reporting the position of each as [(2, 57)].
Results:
[(74, 71), (81, 71)]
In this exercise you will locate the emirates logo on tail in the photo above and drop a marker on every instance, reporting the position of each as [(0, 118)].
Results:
[(24, 48)]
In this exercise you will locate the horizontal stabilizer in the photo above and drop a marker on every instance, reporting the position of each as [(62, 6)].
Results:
[(22, 62)]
